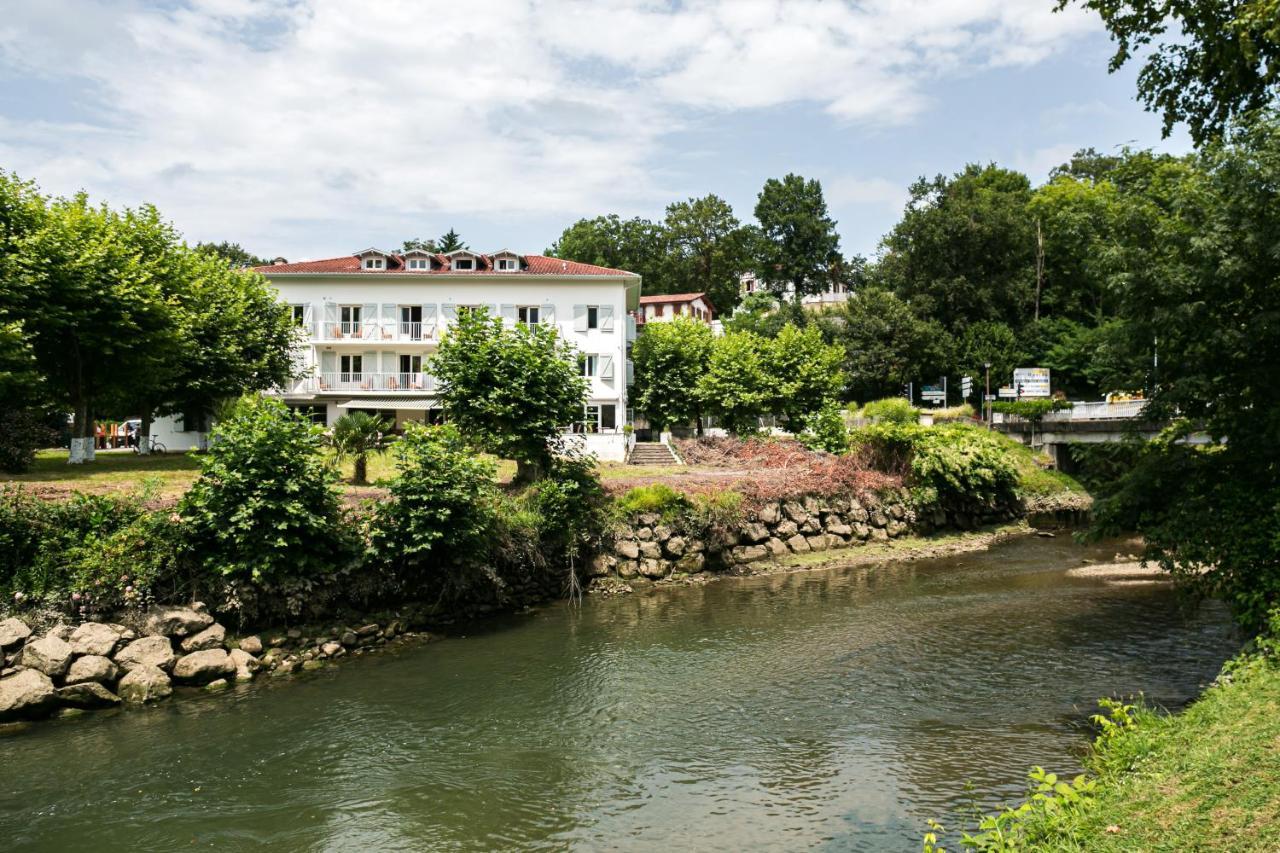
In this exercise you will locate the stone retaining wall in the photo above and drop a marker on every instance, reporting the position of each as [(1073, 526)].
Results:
[(651, 547)]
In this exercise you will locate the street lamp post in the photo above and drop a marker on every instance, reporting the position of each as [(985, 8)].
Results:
[(986, 398)]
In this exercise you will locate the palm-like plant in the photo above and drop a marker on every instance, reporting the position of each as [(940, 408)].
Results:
[(355, 436)]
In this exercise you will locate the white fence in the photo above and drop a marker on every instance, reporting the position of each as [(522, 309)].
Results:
[(1098, 411)]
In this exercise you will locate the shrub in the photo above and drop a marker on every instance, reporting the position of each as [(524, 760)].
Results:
[(265, 508), (953, 464), (440, 513), (962, 412), (656, 498), (1032, 410), (134, 565), (22, 433), (355, 436), (825, 430), (891, 410)]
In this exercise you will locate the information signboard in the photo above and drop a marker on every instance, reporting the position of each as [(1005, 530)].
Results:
[(966, 386), (1008, 392), (933, 394), (1031, 381)]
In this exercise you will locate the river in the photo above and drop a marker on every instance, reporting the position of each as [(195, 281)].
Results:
[(834, 709)]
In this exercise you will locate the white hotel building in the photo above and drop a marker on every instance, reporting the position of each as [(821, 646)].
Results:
[(374, 319)]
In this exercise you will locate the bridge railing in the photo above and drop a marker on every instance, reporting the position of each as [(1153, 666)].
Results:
[(1098, 411)]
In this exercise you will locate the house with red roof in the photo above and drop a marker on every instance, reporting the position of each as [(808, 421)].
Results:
[(373, 319), (660, 307)]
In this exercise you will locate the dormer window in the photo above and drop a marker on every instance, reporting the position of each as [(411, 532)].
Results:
[(418, 264), (506, 264), (464, 263), (375, 263)]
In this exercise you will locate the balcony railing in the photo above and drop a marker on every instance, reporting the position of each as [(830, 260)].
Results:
[(397, 332), (407, 383)]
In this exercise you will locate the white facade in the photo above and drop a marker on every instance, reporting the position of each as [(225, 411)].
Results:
[(371, 335), (833, 295), (659, 309)]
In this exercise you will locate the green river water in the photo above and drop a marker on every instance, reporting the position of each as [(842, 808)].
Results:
[(835, 709)]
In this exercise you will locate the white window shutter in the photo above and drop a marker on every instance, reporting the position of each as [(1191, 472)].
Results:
[(579, 318), (428, 321), (604, 369), (631, 372), (369, 320), (509, 314), (606, 318), (328, 363), (547, 313), (331, 328), (309, 319), (450, 311), (390, 362)]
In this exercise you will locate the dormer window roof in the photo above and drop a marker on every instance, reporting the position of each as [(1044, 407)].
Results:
[(506, 261), (374, 259), (417, 260), (463, 260)]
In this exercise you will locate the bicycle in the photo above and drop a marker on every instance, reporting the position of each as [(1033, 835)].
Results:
[(152, 443)]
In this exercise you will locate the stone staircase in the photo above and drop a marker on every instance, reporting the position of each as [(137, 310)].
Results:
[(652, 453)]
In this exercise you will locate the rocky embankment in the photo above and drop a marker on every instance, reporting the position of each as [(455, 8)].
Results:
[(95, 665), (653, 548)]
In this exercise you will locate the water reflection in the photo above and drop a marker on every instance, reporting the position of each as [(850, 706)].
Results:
[(835, 709)]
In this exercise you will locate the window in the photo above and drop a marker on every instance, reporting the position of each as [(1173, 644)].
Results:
[(506, 265), (350, 321), (318, 415), (587, 364), (351, 368), (593, 316), (410, 378), (598, 418), (608, 417), (464, 263), (418, 263), (374, 263), (528, 314), (411, 322), (299, 315), (659, 310)]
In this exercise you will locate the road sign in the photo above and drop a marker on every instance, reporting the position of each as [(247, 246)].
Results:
[(1008, 392), (966, 386), (1031, 381), (933, 394), (988, 397)]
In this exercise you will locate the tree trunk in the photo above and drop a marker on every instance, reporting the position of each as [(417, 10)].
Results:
[(526, 472), (361, 473), (79, 415), (143, 437)]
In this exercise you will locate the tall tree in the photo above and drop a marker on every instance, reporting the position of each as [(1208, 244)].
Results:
[(449, 241), (423, 245), (965, 248), (509, 390), (233, 253), (1206, 61), (670, 358), (636, 245), (709, 250), (799, 245), (736, 386), (806, 373)]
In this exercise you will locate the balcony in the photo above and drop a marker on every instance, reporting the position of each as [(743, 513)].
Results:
[(374, 332), (363, 383)]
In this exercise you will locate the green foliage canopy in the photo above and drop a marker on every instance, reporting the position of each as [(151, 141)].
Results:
[(670, 359)]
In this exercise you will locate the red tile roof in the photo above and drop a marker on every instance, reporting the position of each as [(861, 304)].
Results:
[(673, 297), (530, 265)]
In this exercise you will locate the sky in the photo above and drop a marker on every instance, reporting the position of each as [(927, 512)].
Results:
[(317, 128)]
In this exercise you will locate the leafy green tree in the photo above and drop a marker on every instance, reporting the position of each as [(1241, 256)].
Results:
[(709, 250), (509, 389), (798, 242), (264, 508), (763, 314), (449, 241), (737, 387), (670, 358), (886, 344), (805, 373), (232, 253), (988, 342), (1205, 62), (965, 248), (424, 245), (440, 511), (1076, 221), (636, 245), (1201, 288), (355, 436), (825, 430)]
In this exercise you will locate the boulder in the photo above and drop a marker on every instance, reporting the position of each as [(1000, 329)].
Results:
[(648, 519), (896, 528), (217, 684), (88, 694), (601, 565), (776, 547), (810, 526), (210, 638), (674, 546), (348, 638), (662, 533), (819, 542), (94, 638), (786, 529), (768, 514), (651, 550), (897, 511), (246, 664), (62, 632), (644, 534), (92, 668), (628, 568), (654, 568), (144, 683), (878, 519), (13, 631), (628, 549), (153, 651), (839, 528), (754, 532), (203, 666), (690, 563), (749, 553), (27, 694), (861, 531), (795, 512), (368, 630), (330, 649), (798, 544), (175, 622), (48, 654), (879, 534), (252, 645)]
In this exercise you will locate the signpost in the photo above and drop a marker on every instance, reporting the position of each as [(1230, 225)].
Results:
[(1031, 381), (933, 394), (966, 386)]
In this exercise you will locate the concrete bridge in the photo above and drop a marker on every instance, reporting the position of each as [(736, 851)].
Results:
[(1084, 423)]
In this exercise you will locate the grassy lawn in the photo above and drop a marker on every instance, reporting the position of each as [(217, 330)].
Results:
[(1205, 779)]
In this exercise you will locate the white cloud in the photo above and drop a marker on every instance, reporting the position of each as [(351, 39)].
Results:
[(274, 115)]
